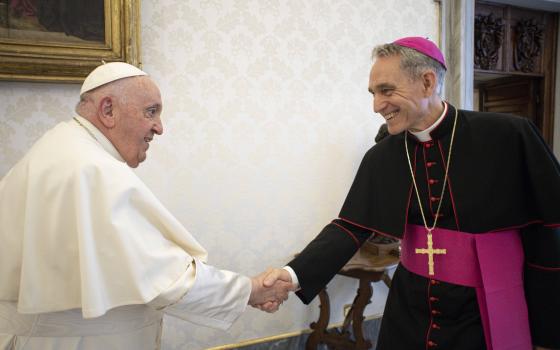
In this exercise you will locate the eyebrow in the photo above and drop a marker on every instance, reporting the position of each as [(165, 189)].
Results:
[(381, 87), (156, 105)]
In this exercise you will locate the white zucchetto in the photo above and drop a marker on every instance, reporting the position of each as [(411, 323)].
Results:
[(109, 72)]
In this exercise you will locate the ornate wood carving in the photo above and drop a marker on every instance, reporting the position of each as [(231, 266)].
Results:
[(488, 38), (528, 53), (527, 45)]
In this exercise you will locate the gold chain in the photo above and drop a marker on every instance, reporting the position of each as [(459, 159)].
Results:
[(444, 179), (88, 130)]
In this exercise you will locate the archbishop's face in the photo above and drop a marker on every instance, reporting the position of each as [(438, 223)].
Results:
[(401, 100)]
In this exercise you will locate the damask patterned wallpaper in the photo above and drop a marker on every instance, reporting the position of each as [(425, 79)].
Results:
[(266, 118)]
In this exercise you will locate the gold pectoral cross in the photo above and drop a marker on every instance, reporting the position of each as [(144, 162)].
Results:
[(430, 251)]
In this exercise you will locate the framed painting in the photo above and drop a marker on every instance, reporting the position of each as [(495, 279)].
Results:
[(64, 40)]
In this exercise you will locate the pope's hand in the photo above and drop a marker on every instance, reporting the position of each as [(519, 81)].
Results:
[(270, 289)]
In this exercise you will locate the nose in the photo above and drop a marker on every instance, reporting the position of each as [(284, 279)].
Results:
[(379, 104), (158, 126)]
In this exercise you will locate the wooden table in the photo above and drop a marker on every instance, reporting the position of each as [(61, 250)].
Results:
[(367, 267)]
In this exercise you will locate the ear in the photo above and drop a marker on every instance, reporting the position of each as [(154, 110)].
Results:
[(105, 112), (429, 81)]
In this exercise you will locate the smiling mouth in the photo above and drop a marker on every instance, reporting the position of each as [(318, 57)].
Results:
[(147, 140), (390, 116)]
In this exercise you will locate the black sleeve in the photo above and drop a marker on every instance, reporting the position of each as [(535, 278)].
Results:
[(543, 176), (325, 255), (542, 283), (541, 242)]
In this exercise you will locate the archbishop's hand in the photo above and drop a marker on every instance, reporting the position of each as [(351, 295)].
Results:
[(270, 289)]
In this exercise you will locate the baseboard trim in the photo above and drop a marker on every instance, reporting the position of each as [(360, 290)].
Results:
[(281, 336)]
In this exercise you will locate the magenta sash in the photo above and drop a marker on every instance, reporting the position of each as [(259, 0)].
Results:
[(492, 263)]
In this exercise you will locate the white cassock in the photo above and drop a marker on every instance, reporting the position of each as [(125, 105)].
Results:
[(89, 257)]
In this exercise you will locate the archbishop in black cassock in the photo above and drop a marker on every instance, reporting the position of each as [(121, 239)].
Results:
[(502, 176)]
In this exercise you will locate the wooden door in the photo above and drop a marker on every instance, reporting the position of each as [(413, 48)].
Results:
[(516, 95), (515, 62)]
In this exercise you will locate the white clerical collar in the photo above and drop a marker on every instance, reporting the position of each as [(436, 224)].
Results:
[(98, 135), (424, 135)]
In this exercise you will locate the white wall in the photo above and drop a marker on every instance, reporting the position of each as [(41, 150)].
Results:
[(266, 117)]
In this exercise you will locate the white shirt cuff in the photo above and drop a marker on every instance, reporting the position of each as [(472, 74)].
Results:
[(216, 298), (293, 275)]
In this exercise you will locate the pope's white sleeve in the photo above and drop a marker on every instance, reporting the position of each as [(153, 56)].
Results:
[(206, 296)]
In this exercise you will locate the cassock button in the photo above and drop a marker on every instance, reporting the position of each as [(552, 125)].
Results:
[(435, 326), (435, 312), (431, 344), (434, 299), (428, 144), (434, 199), (434, 282), (433, 181)]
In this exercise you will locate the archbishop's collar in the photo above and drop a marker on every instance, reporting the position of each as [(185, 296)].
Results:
[(439, 129)]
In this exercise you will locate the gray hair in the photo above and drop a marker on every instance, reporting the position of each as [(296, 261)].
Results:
[(116, 88), (84, 98), (412, 61)]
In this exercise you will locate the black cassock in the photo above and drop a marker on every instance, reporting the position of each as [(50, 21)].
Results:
[(502, 176)]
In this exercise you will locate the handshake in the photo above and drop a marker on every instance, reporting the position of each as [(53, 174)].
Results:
[(270, 289)]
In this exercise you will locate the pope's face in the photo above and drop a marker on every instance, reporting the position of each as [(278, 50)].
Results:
[(399, 99), (137, 118)]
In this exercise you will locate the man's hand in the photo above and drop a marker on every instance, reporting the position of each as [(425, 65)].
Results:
[(270, 289)]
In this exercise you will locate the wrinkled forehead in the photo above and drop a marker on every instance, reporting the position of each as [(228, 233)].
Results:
[(148, 86), (386, 63), (386, 69), (141, 87)]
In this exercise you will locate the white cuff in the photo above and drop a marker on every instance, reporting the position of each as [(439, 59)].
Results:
[(217, 297), (293, 275)]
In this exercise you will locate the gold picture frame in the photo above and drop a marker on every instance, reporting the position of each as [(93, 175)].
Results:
[(71, 60)]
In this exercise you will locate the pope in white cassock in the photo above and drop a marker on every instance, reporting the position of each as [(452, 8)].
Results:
[(90, 259)]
